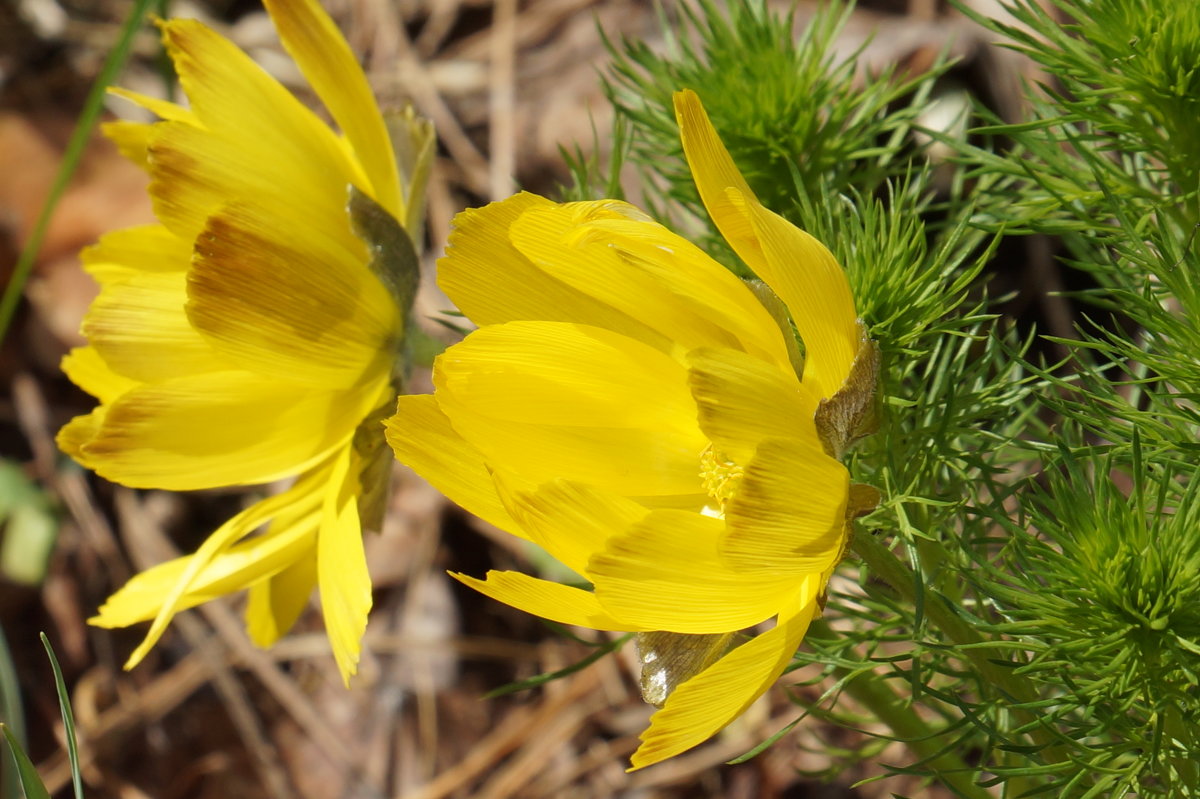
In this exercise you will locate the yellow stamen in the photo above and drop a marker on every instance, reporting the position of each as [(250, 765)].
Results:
[(720, 476)]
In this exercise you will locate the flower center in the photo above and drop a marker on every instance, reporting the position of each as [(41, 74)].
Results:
[(720, 476)]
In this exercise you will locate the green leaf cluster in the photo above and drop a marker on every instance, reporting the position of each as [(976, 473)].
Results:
[(1105, 604)]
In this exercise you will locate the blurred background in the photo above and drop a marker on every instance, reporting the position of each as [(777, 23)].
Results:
[(506, 82)]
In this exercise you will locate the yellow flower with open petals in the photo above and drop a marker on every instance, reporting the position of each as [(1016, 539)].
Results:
[(631, 406), (256, 332)]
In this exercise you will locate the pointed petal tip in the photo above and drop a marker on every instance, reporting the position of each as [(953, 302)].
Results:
[(686, 101), (325, 58), (347, 668), (99, 620)]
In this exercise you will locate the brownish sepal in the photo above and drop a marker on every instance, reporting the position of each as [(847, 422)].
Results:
[(853, 412)]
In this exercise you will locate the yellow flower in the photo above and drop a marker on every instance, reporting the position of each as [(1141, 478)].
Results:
[(256, 332), (631, 406)]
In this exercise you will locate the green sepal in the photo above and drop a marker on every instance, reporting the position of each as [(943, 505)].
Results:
[(374, 476), (779, 312), (393, 258), (413, 140), (394, 261)]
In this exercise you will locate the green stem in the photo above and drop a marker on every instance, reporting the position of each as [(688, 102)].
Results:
[(873, 692), (895, 573), (79, 138), (1177, 727)]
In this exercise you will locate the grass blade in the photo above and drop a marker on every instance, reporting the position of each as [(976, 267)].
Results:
[(31, 781), (79, 137), (64, 704)]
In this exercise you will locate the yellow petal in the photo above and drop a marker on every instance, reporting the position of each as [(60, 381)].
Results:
[(788, 514), (139, 327), (570, 521), (742, 400), (196, 172), (491, 282), (221, 540), (273, 605), (163, 109), (714, 172), (330, 67), (134, 250), (88, 370), (281, 300), (546, 400), (796, 266), (217, 429), (78, 433), (254, 140), (560, 241), (560, 603), (634, 463), (693, 279), (242, 565), (342, 573), (702, 706), (554, 373), (424, 440), (812, 284), (131, 139), (664, 573)]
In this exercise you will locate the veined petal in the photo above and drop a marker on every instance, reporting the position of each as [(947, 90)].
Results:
[(134, 250), (273, 605), (796, 266), (664, 573), (225, 536), (714, 173), (77, 433), (163, 109), (254, 138), (131, 138), (342, 573), (702, 706), (238, 567), (284, 301), (560, 603), (195, 172), (492, 282), (555, 373), (547, 400), (88, 370), (788, 513), (330, 67), (695, 280), (742, 400), (806, 276), (570, 521), (630, 462), (138, 326), (217, 429), (557, 240), (228, 91), (425, 441)]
